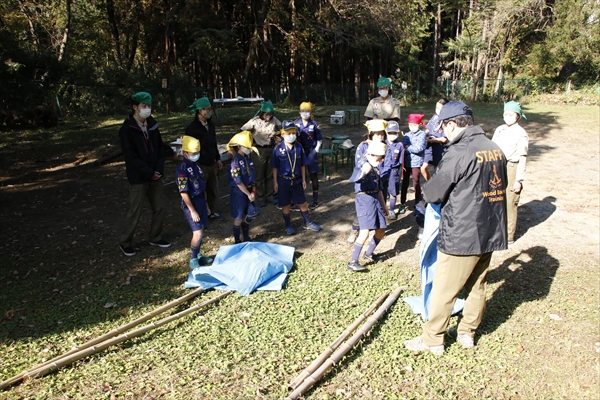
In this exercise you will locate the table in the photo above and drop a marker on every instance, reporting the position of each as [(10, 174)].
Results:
[(237, 101)]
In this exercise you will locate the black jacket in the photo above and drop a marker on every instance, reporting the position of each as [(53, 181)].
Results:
[(209, 153), (470, 184), (142, 156)]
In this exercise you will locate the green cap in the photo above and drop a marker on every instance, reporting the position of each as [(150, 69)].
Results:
[(202, 102), (267, 106), (383, 81), (142, 97), (514, 107)]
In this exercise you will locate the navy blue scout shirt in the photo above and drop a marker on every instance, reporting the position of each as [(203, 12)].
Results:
[(368, 183), (190, 179), (309, 134), (393, 157), (241, 171), (288, 161)]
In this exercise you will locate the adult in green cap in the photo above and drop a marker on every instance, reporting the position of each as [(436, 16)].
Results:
[(514, 142), (144, 164), (264, 127), (203, 128), (385, 106)]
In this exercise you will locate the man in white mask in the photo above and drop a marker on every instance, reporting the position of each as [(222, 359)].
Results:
[(144, 163), (385, 106), (514, 142)]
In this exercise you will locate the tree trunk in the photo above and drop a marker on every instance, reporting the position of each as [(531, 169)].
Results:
[(436, 44), (30, 25), (114, 30), (63, 42)]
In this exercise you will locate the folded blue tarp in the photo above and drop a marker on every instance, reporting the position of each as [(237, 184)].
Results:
[(428, 260), (245, 267)]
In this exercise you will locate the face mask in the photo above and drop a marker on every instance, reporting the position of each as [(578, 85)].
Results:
[(207, 114), (268, 117), (245, 151), (305, 115), (413, 128), (289, 138), (510, 120), (383, 93), (194, 158), (374, 163), (392, 138), (144, 112)]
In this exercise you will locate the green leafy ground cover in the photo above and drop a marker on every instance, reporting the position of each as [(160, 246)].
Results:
[(63, 281)]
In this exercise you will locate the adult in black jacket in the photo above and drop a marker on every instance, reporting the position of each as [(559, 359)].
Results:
[(144, 163), (203, 129), (470, 184)]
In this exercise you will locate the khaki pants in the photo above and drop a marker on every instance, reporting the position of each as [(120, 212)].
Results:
[(212, 186), (452, 273), (263, 172), (512, 200), (153, 190)]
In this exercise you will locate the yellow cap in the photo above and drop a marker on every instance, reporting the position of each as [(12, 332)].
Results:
[(376, 125), (306, 106), (243, 138), (376, 148), (190, 144)]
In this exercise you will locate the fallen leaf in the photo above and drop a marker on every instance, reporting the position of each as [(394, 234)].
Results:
[(555, 317)]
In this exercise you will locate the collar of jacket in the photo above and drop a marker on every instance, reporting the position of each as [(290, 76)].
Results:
[(151, 123), (468, 132)]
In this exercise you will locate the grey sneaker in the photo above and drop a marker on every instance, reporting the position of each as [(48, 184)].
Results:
[(418, 345), (392, 215), (468, 342)]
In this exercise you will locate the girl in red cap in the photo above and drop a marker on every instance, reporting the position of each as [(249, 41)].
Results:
[(414, 144)]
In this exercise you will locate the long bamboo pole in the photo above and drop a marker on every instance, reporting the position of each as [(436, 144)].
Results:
[(96, 349), (329, 350), (345, 347), (17, 378)]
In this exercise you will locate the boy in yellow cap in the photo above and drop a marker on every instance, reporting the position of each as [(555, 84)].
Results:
[(242, 183), (144, 162), (191, 183)]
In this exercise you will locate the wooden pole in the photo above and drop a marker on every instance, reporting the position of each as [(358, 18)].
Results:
[(96, 349), (329, 350), (345, 347), (100, 339)]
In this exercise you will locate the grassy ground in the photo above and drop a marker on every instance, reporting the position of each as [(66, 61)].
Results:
[(63, 281)]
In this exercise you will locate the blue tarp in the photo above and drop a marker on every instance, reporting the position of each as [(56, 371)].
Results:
[(428, 260), (245, 267)]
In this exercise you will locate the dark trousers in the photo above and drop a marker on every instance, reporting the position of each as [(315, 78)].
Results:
[(153, 191), (212, 186), (407, 173)]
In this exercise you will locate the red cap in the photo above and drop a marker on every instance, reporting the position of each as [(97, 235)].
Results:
[(415, 118)]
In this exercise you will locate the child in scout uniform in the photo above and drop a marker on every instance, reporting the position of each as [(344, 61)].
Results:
[(385, 106), (375, 133), (311, 140), (370, 204), (241, 181), (288, 163), (191, 183), (414, 143), (391, 173), (264, 127), (435, 141)]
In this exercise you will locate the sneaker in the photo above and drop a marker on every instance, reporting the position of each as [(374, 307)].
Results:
[(402, 209), (290, 230), (420, 233), (418, 345), (261, 203), (204, 261), (314, 205), (278, 207), (467, 341), (127, 250), (294, 207), (272, 201), (194, 263), (215, 216), (352, 238), (375, 259), (392, 215), (355, 266), (312, 226), (161, 243)]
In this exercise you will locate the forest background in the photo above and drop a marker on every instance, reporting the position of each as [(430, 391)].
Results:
[(87, 57)]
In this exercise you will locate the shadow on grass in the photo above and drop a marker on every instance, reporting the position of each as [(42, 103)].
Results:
[(525, 277)]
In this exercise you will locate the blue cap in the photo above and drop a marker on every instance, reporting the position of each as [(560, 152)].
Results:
[(253, 212), (454, 108), (392, 126), (288, 125)]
